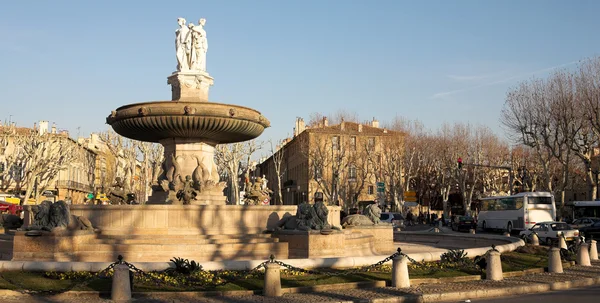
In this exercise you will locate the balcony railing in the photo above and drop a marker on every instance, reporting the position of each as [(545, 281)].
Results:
[(74, 185)]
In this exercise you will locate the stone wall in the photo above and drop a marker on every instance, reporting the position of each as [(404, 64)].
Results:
[(188, 219)]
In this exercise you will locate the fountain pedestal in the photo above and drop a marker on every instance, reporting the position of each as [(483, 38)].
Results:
[(193, 160), (190, 86)]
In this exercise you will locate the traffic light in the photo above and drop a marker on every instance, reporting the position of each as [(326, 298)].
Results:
[(459, 163)]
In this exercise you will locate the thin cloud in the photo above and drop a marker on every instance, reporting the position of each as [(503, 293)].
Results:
[(469, 78), (453, 92)]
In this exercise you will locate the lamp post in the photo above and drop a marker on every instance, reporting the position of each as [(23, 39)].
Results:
[(298, 195)]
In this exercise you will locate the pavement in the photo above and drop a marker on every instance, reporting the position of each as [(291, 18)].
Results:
[(574, 276)]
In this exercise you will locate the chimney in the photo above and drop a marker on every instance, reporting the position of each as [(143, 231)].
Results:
[(300, 126), (325, 122), (95, 138), (43, 127), (375, 123), (53, 128), (360, 128)]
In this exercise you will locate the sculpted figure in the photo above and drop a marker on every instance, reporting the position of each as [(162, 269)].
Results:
[(188, 193), (182, 45), (50, 216), (370, 216), (299, 221), (199, 46), (117, 192)]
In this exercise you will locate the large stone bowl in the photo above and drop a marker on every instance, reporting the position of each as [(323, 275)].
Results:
[(209, 122)]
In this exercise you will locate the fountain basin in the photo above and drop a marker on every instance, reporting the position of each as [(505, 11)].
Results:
[(213, 123)]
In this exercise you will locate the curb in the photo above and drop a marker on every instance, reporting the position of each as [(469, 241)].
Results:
[(508, 291)]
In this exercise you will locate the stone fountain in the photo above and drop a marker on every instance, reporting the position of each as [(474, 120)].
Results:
[(188, 126), (186, 215)]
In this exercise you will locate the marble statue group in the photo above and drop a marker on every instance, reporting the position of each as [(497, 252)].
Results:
[(191, 46)]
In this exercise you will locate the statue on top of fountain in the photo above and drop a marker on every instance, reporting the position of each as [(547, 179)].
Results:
[(191, 46)]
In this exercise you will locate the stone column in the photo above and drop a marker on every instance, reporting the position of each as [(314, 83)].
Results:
[(493, 270), (593, 250), (535, 240), (554, 261), (561, 242), (272, 286), (400, 278), (121, 286), (583, 255)]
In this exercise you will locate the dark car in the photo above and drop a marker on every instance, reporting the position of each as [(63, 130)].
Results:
[(592, 230), (463, 223)]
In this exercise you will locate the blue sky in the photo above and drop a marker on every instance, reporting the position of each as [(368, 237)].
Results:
[(72, 62)]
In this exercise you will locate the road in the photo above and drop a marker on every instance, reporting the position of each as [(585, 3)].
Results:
[(579, 295)]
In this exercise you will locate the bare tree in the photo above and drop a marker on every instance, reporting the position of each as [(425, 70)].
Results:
[(328, 159), (44, 156), (11, 157), (152, 156), (278, 155), (228, 158)]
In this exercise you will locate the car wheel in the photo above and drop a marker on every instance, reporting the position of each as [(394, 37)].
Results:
[(509, 227)]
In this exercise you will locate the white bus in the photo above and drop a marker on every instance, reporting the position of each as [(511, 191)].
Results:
[(518, 212), (583, 209)]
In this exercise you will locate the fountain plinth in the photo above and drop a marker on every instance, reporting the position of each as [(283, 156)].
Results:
[(190, 86), (189, 126)]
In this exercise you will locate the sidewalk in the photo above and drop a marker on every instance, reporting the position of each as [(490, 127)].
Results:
[(575, 276)]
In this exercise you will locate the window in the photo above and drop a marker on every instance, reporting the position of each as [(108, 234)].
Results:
[(352, 172), (318, 173), (539, 200), (335, 142), (353, 142), (371, 143), (371, 190)]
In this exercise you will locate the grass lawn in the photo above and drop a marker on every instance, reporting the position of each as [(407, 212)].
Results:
[(523, 258)]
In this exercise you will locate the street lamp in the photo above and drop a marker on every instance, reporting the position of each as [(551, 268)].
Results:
[(298, 194)]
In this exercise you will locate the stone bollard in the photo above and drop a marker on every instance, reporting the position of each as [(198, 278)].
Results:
[(472, 231), (507, 234), (535, 240), (593, 250), (493, 270), (121, 285), (436, 230), (583, 255), (561, 242), (554, 261), (272, 286), (400, 277)]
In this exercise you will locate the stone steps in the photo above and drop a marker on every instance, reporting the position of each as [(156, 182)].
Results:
[(163, 253), (187, 241)]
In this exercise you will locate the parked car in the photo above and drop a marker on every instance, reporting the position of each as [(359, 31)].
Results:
[(463, 223), (548, 232), (9, 207), (583, 222), (592, 230), (396, 219)]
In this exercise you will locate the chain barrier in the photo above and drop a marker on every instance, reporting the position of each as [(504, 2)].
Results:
[(103, 274), (342, 272)]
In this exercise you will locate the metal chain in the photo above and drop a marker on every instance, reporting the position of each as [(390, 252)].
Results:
[(342, 272)]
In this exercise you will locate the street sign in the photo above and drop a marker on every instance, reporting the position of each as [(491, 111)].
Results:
[(90, 196), (410, 196), (380, 187)]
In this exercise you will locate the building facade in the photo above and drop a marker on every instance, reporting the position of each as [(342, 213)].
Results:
[(344, 161)]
